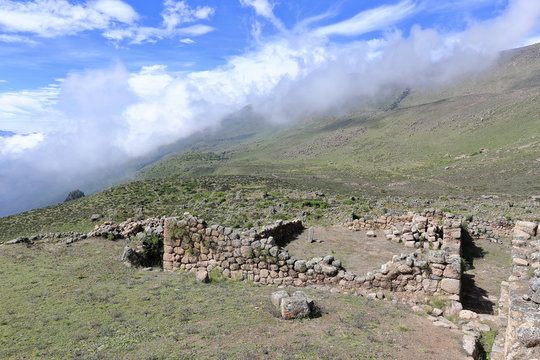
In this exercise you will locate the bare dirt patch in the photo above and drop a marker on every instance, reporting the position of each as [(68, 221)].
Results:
[(357, 252)]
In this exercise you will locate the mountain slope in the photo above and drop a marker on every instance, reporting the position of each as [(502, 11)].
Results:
[(479, 135)]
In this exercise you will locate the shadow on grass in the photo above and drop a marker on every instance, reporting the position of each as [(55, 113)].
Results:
[(473, 297)]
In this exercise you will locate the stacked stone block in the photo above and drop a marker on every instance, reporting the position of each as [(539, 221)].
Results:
[(519, 305), (191, 245)]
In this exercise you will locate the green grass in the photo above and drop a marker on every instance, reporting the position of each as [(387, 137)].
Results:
[(80, 301), (486, 340)]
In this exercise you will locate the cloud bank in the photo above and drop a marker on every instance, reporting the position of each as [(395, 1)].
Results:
[(108, 116), (116, 19)]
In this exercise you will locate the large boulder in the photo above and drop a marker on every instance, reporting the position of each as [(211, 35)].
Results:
[(452, 286), (294, 308), (278, 296), (299, 305), (75, 194)]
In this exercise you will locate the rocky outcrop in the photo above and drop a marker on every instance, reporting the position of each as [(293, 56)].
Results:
[(73, 195)]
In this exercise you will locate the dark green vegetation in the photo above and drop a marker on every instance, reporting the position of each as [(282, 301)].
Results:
[(80, 302), (236, 201)]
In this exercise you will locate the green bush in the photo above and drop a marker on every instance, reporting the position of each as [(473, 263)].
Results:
[(178, 232), (152, 251), (318, 204)]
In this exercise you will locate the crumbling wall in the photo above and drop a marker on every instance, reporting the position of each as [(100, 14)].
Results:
[(519, 305), (191, 245), (427, 225)]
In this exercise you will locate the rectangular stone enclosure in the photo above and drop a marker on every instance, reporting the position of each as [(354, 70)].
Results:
[(191, 245)]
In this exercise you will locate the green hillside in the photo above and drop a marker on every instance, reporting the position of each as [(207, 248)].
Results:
[(478, 136), (449, 147)]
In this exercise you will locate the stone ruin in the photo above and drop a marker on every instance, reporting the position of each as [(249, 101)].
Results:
[(519, 305), (433, 269), (191, 245), (417, 229)]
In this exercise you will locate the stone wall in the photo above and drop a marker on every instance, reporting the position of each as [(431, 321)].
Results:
[(432, 229), (428, 223), (191, 245), (519, 305)]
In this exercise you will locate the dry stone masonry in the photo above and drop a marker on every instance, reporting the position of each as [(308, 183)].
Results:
[(519, 305), (415, 229), (191, 245)]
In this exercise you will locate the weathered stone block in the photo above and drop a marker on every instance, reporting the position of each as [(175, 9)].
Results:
[(528, 227), (429, 285), (451, 286), (300, 266), (202, 277), (294, 307), (278, 296), (437, 256)]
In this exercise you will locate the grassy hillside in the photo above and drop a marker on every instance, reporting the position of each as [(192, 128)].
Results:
[(425, 148), (478, 136)]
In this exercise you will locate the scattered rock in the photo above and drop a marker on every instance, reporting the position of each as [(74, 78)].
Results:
[(441, 324), (202, 277), (130, 257), (311, 237), (467, 315), (528, 335), (20, 239), (520, 262), (95, 217), (470, 345)]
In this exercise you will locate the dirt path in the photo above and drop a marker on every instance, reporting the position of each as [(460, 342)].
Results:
[(358, 252)]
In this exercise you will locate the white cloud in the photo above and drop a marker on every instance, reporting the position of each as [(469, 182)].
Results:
[(17, 144), (28, 102), (369, 20), (116, 19), (179, 12), (176, 14), (51, 18), (265, 9), (16, 39), (531, 40), (150, 81), (187, 41), (106, 116), (3, 81)]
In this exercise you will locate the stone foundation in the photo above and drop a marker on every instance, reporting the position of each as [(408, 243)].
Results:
[(191, 245)]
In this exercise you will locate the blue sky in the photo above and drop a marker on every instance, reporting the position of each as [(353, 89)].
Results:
[(40, 57), (86, 85)]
